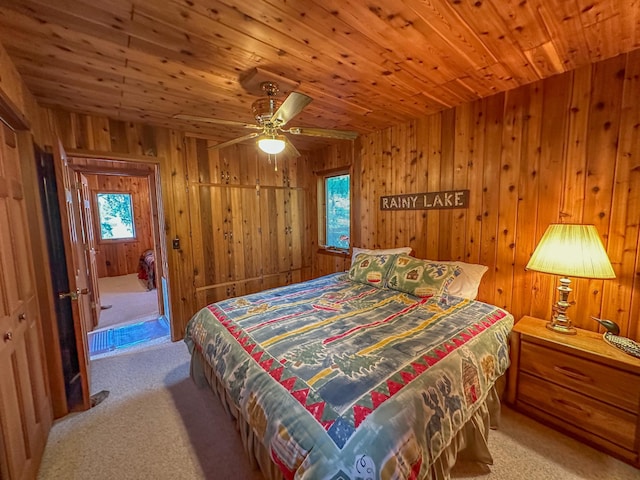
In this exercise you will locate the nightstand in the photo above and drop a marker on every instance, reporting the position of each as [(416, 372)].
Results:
[(578, 384)]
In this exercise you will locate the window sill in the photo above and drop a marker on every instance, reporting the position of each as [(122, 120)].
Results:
[(333, 251)]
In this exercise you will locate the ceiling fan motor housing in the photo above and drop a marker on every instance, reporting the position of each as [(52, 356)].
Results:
[(264, 108)]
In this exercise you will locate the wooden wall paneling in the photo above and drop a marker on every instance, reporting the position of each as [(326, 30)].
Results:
[(99, 133), (297, 227), (117, 130), (383, 166), (516, 106), (362, 197), (447, 168), (307, 181), (576, 171), (397, 221), (315, 164), (269, 230), (412, 179), (200, 212), (422, 175), (242, 201), (621, 300), (407, 176), (602, 142), (252, 249), (528, 191), (491, 194), (463, 135), (239, 214), (233, 160), (222, 214), (270, 170), (557, 97), (59, 122), (572, 206), (569, 143), (282, 229), (170, 147), (475, 181), (434, 166)]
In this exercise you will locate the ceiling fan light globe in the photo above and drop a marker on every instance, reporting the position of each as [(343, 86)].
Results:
[(271, 146)]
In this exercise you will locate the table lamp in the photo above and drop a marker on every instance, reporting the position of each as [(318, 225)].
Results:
[(569, 250)]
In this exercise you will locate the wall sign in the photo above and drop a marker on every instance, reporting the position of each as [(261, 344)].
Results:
[(426, 201)]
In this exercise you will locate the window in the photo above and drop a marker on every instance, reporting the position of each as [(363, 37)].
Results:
[(334, 189), (115, 214)]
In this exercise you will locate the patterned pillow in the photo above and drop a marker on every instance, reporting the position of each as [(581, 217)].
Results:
[(371, 269), (421, 278)]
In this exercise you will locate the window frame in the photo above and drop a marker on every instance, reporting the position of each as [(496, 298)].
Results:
[(322, 177), (99, 237)]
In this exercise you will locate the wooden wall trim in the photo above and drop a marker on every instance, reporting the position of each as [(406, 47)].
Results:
[(11, 114), (248, 280), (116, 156)]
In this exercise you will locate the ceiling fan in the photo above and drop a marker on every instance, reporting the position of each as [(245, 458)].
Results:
[(272, 115)]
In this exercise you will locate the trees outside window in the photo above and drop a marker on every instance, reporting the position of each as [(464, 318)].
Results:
[(115, 214)]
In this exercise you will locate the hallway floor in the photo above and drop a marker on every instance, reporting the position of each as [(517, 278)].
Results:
[(129, 318)]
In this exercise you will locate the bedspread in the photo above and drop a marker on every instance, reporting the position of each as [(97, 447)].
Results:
[(341, 380)]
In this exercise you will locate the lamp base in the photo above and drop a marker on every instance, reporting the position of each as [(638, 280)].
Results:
[(560, 322), (560, 328)]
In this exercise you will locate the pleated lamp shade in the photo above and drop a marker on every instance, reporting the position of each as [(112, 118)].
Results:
[(573, 251)]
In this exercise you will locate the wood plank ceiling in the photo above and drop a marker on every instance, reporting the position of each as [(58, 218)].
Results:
[(367, 65)]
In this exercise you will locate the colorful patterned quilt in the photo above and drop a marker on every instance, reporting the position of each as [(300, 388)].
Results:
[(342, 380)]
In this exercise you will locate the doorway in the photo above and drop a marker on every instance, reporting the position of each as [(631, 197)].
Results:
[(121, 224)]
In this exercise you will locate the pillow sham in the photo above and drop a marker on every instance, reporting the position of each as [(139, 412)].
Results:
[(371, 269), (384, 251), (421, 278), (466, 284)]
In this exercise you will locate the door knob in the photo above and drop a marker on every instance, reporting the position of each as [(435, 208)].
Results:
[(22, 317), (74, 295), (8, 336)]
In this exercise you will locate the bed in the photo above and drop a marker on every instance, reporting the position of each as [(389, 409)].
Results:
[(353, 376), (147, 269)]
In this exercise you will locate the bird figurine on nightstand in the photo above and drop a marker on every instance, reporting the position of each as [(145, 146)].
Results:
[(609, 325), (611, 336)]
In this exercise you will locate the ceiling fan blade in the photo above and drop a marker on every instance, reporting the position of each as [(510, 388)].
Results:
[(291, 151), (291, 107), (323, 132), (217, 121), (235, 140)]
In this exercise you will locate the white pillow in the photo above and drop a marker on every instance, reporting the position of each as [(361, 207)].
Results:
[(466, 284), (388, 251)]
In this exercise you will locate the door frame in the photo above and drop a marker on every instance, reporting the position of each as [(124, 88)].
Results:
[(92, 162)]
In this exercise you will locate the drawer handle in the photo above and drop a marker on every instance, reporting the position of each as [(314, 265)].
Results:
[(571, 373), (8, 336), (568, 404)]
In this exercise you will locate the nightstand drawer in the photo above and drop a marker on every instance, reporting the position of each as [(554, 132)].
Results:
[(596, 380), (605, 421)]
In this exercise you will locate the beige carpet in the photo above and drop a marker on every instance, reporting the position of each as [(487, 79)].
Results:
[(129, 299), (156, 424)]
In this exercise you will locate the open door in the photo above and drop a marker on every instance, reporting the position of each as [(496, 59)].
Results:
[(90, 248), (78, 294)]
